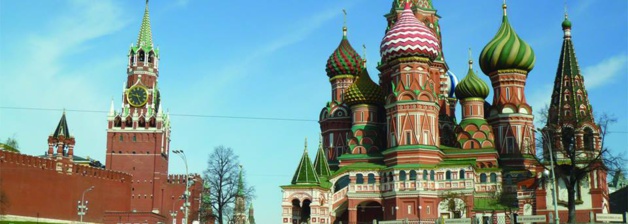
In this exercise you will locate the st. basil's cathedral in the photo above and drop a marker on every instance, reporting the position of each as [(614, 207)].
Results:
[(394, 150)]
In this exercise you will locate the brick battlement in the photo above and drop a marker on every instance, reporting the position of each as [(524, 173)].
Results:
[(180, 178), (46, 164)]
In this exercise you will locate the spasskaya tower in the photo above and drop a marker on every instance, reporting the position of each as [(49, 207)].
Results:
[(138, 135)]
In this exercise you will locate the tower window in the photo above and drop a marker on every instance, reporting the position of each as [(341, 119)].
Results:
[(121, 138), (402, 175), (507, 93), (331, 139), (408, 138), (510, 145), (412, 175), (448, 175), (432, 175), (483, 178), (371, 178), (134, 138), (588, 139), (141, 56), (424, 174), (425, 138), (493, 178), (461, 175)]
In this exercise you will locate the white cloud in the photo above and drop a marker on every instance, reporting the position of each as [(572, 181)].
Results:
[(602, 73)]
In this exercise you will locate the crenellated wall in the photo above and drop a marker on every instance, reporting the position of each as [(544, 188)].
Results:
[(35, 187)]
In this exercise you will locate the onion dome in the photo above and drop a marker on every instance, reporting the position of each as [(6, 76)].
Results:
[(345, 60), (506, 51), (566, 24), (409, 37), (453, 82), (364, 91), (472, 86)]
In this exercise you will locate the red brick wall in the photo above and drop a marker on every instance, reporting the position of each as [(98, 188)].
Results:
[(46, 188)]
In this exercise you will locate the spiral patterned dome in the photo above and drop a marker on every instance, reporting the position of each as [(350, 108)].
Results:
[(345, 60), (472, 86), (364, 91), (409, 37), (453, 82), (506, 51)]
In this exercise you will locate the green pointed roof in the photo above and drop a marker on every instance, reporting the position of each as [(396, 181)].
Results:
[(569, 81), (472, 86), (305, 173), (320, 162), (506, 51), (364, 91), (145, 38), (62, 128), (240, 184)]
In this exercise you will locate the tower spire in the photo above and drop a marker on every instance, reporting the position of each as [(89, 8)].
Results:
[(145, 37), (344, 23), (240, 183)]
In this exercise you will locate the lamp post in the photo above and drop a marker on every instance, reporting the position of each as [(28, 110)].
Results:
[(82, 205), (547, 139), (186, 194)]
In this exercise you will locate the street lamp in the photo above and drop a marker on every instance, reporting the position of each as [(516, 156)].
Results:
[(82, 205), (547, 139), (186, 194)]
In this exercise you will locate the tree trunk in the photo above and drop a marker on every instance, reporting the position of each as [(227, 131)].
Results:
[(571, 203)]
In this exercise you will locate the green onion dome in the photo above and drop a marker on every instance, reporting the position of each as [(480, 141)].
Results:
[(566, 24), (472, 86), (345, 60), (506, 51), (364, 91)]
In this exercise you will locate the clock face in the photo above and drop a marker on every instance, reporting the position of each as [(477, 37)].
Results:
[(137, 96)]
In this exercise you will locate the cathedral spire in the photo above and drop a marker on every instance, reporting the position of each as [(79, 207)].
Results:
[(570, 103), (305, 173), (240, 183), (145, 38)]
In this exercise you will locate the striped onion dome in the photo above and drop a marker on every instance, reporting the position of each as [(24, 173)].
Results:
[(506, 51), (345, 60), (409, 37), (364, 91), (453, 82), (472, 86)]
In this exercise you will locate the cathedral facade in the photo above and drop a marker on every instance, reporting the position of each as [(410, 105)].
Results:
[(395, 150)]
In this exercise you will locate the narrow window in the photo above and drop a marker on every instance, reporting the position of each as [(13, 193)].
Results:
[(472, 144), (510, 147), (134, 138), (121, 138), (361, 115), (371, 178), (448, 175), (432, 175), (424, 174), (408, 138), (461, 174), (493, 178), (409, 209), (331, 139), (359, 178), (507, 93), (402, 175), (483, 178), (407, 79), (412, 175), (428, 210)]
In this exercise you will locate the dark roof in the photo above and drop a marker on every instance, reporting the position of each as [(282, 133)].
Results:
[(62, 128)]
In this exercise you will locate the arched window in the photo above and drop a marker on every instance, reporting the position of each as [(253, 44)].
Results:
[(150, 57), (359, 178), (493, 178), (424, 174), (412, 175), (402, 175), (141, 55), (371, 178), (390, 176), (461, 175), (432, 175), (448, 175), (483, 178), (568, 138), (588, 139)]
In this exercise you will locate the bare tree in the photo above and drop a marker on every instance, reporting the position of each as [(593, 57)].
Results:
[(222, 174), (10, 144), (573, 164)]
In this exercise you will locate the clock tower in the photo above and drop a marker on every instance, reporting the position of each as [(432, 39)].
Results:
[(138, 135)]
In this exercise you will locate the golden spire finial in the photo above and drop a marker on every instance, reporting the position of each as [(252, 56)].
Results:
[(504, 6), (344, 22), (470, 59)]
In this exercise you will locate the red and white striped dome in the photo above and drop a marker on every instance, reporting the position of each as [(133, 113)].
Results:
[(409, 37)]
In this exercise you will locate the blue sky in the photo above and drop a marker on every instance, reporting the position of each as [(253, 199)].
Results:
[(262, 59)]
